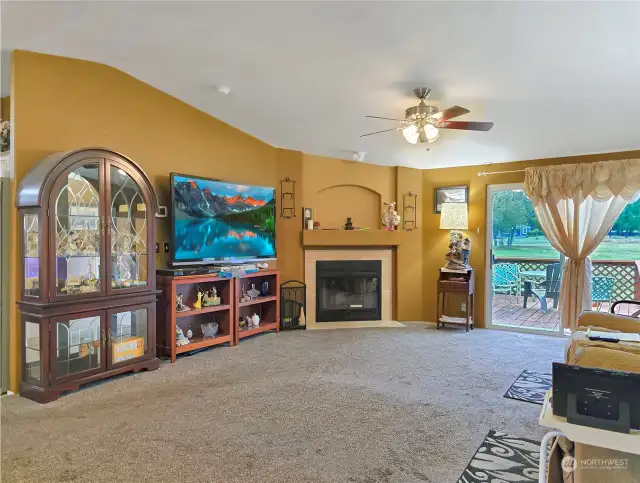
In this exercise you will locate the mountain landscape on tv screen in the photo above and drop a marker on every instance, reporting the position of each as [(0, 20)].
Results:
[(214, 219)]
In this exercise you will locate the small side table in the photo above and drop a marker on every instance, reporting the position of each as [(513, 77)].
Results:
[(460, 283), (601, 438)]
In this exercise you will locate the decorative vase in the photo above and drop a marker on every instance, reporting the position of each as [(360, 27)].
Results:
[(255, 320)]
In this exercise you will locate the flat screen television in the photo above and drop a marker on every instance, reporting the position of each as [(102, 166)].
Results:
[(213, 221)]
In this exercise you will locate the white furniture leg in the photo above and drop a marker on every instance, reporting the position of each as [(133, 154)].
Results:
[(544, 454)]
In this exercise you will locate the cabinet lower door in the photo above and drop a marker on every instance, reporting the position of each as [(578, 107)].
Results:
[(130, 334), (77, 346)]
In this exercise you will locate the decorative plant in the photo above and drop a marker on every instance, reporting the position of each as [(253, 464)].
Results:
[(4, 135)]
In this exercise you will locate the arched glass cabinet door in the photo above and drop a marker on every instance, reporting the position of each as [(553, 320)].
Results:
[(78, 231), (128, 231)]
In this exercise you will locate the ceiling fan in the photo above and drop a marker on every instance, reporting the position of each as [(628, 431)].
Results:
[(422, 123)]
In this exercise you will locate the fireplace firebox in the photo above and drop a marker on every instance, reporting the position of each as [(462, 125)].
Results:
[(348, 290)]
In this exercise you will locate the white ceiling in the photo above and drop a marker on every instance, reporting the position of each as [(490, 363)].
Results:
[(556, 78)]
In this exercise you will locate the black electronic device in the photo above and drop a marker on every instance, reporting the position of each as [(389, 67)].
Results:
[(598, 398), (186, 271)]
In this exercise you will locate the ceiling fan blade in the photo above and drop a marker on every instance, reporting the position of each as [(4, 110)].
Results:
[(450, 113), (465, 125), (378, 132), (386, 118)]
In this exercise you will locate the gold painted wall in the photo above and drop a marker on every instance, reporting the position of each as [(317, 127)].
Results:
[(436, 241), (84, 104), (336, 189)]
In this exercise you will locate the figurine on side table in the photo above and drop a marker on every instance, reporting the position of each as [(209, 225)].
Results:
[(457, 257)]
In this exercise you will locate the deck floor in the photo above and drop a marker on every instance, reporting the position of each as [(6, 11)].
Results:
[(509, 311)]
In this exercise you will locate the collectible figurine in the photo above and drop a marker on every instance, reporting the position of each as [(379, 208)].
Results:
[(210, 298), (180, 338), (244, 297), (348, 225), (198, 303), (390, 217), (466, 250), (180, 306), (456, 259), (189, 334)]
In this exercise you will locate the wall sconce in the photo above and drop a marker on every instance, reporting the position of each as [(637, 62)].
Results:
[(410, 211), (287, 198)]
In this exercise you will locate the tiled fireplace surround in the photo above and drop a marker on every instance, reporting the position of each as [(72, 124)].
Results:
[(385, 255)]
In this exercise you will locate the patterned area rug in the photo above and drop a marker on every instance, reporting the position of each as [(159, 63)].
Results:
[(530, 387), (503, 458)]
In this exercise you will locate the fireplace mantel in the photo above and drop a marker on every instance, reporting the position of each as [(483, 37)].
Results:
[(353, 238)]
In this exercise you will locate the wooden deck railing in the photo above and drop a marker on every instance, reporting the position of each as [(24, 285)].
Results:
[(625, 272)]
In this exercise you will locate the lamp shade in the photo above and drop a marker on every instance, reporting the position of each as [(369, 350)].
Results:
[(453, 216)]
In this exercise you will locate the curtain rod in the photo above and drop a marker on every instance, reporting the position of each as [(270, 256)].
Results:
[(485, 173)]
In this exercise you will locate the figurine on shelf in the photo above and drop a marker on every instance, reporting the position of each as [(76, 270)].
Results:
[(348, 225), (210, 329), (255, 320), (210, 298), (390, 217), (189, 334), (244, 297), (253, 293), (180, 306), (180, 338), (242, 323), (198, 303)]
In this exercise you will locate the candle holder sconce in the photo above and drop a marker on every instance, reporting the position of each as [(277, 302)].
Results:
[(287, 198), (410, 211)]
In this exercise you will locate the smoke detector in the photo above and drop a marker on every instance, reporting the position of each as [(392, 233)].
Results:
[(359, 156), (223, 89)]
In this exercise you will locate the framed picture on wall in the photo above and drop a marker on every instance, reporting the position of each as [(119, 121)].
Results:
[(450, 194)]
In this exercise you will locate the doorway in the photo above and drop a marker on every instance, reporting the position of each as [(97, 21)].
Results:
[(523, 282)]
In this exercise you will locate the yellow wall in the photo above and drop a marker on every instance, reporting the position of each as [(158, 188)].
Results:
[(85, 104), (436, 241)]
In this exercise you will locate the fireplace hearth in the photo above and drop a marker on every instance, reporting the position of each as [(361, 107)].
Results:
[(348, 290)]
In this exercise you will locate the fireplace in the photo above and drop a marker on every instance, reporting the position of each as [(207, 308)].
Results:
[(348, 290)]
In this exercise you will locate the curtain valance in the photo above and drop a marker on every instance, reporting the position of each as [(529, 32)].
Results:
[(601, 181)]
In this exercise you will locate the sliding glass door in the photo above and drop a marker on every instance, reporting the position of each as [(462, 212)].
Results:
[(523, 282)]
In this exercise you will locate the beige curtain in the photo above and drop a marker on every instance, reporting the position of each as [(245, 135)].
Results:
[(576, 205)]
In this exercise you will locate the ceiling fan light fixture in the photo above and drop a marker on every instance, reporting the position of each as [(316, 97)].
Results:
[(411, 134), (432, 133)]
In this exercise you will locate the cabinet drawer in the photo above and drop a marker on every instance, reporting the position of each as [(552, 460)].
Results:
[(447, 286)]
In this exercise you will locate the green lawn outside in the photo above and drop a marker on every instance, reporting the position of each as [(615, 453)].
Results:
[(612, 248)]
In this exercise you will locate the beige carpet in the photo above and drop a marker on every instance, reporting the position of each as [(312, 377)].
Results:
[(354, 406)]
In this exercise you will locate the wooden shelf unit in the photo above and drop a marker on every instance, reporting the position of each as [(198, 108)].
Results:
[(268, 307), (169, 318)]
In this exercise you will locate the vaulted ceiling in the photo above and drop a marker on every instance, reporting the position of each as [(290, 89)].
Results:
[(556, 78)]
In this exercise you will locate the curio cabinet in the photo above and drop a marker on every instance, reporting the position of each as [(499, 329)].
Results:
[(88, 292)]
